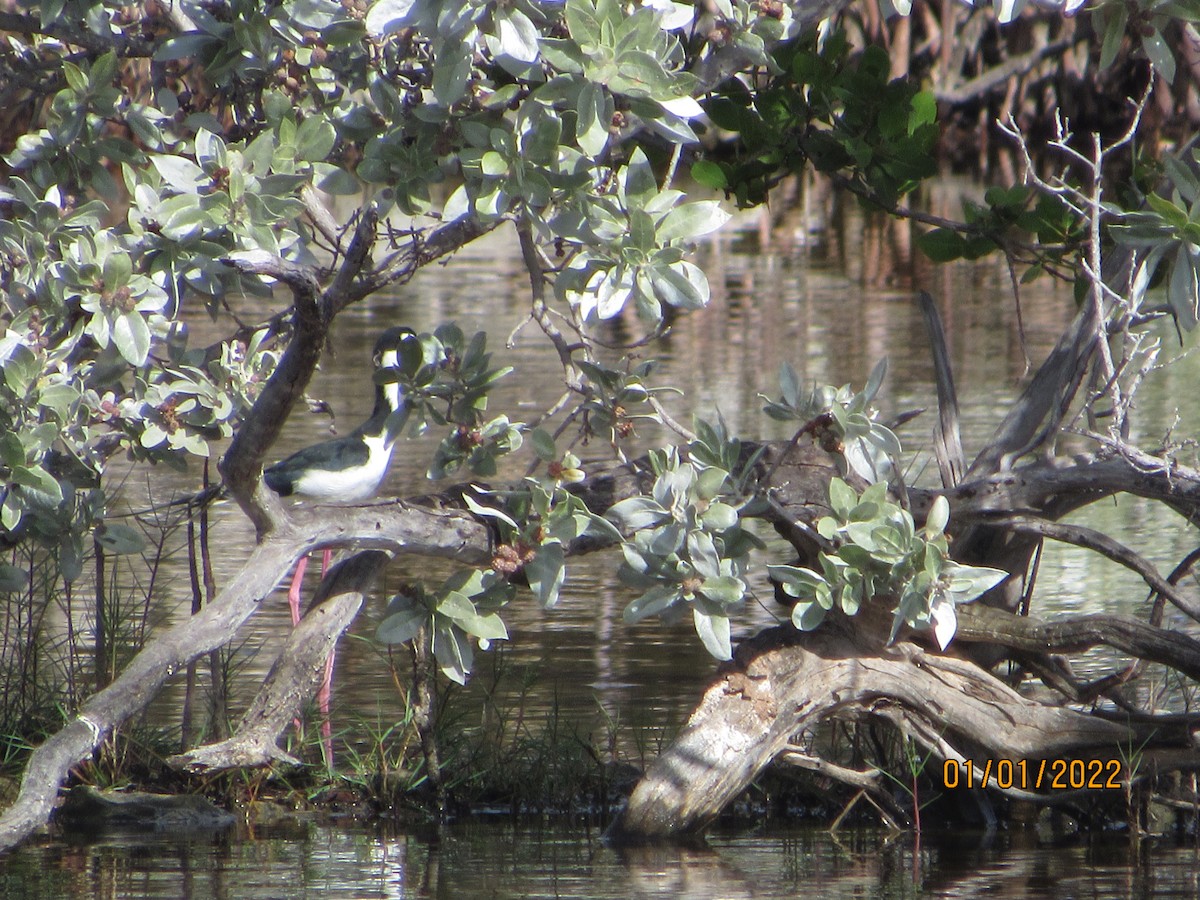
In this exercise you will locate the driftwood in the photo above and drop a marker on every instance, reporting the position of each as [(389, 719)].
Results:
[(783, 682)]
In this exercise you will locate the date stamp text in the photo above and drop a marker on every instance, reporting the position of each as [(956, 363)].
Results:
[(1035, 775)]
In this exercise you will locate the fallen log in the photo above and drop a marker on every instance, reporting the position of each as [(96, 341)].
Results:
[(783, 682)]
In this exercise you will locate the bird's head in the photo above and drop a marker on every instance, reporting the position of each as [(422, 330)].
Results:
[(387, 359)]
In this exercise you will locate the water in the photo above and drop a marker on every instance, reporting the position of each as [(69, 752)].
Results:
[(831, 301), (502, 860)]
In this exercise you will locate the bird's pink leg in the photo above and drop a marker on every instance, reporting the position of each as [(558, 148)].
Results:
[(326, 690), (294, 605), (294, 590)]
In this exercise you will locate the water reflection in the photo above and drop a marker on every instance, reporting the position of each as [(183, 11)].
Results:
[(504, 860)]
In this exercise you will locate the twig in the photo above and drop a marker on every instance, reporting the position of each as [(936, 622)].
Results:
[(1098, 541), (952, 462)]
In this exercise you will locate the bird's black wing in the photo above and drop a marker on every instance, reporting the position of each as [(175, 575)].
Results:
[(332, 455)]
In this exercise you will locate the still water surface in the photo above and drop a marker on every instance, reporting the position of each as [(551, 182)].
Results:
[(831, 298), (501, 860)]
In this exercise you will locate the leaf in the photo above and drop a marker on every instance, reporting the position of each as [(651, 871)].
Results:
[(451, 70), (489, 511), (842, 498), (1184, 290), (546, 573), (454, 654), (118, 539), (967, 583), (582, 21), (1007, 10), (942, 244), (12, 578), (724, 589), (386, 16), (315, 138), (39, 481), (703, 553), (796, 582), (719, 517), (944, 619), (635, 513), (710, 174), (714, 633), (543, 445), (1159, 53), (875, 380), (518, 36), (405, 624), (807, 616), (691, 220), (594, 112), (673, 286), (651, 603), (132, 337), (181, 174), (1116, 19), (939, 515)]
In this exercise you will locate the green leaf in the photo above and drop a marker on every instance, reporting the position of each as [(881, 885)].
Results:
[(12, 579), (315, 138), (807, 616), (692, 220), (635, 513), (131, 334), (582, 21), (842, 498), (1116, 19), (451, 71), (724, 589), (1175, 216), (489, 511), (719, 517), (181, 174), (942, 244), (939, 515), (543, 445), (681, 285), (403, 625), (518, 36), (924, 110), (653, 602), (37, 479), (118, 539), (12, 452), (714, 633), (546, 573), (1184, 291), (796, 582), (710, 174), (1159, 53), (454, 653)]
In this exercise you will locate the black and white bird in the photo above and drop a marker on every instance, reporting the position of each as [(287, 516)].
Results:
[(345, 469), (351, 468)]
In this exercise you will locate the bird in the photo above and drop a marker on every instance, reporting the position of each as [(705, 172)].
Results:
[(351, 468), (345, 469)]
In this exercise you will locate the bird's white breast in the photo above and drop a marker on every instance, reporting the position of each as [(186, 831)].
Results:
[(349, 485)]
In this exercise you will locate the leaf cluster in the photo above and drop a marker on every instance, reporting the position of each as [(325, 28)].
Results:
[(840, 420), (838, 111), (688, 551), (880, 557)]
